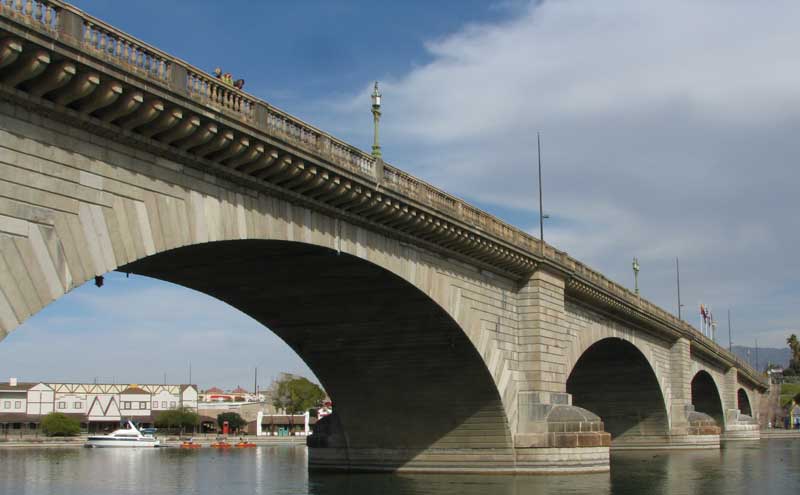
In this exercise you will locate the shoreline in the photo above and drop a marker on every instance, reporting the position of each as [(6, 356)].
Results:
[(168, 442), (205, 442)]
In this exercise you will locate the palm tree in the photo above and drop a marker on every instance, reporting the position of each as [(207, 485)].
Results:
[(794, 345)]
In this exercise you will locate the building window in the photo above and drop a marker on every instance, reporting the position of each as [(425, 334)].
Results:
[(17, 404), (62, 405), (163, 404), (172, 404), (143, 405), (126, 405), (7, 404), (78, 405), (155, 404)]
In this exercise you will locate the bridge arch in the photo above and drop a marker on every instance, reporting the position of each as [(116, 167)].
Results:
[(388, 310), (614, 379), (743, 402), (706, 397), (402, 373)]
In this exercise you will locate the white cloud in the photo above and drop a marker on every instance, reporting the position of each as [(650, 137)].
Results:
[(669, 129)]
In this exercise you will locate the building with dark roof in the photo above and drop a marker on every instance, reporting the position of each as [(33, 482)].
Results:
[(97, 406)]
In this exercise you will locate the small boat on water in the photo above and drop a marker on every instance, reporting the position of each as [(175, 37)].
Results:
[(129, 437), (222, 444), (245, 445), (190, 444)]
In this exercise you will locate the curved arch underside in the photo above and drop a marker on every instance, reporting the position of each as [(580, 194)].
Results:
[(743, 403), (400, 371), (706, 398), (615, 381)]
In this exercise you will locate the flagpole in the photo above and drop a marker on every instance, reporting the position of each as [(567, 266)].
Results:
[(541, 212), (678, 271), (730, 344), (702, 321)]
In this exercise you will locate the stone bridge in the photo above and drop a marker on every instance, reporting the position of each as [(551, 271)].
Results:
[(448, 339)]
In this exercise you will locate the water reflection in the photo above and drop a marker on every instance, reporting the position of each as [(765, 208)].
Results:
[(768, 467), (466, 484)]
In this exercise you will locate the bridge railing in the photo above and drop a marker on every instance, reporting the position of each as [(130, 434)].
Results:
[(218, 95), (116, 47), (42, 13)]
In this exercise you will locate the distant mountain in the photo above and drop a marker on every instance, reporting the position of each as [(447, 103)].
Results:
[(779, 356)]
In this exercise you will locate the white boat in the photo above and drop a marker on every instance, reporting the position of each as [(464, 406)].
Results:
[(125, 437)]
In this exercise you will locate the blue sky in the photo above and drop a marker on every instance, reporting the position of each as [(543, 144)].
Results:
[(669, 129)]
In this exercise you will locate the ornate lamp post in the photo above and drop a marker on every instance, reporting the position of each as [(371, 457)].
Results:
[(636, 274), (376, 114)]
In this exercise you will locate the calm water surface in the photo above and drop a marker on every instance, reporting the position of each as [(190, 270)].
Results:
[(765, 468)]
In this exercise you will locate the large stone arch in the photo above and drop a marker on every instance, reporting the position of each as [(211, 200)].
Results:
[(706, 397), (614, 379), (589, 327), (102, 207), (743, 402)]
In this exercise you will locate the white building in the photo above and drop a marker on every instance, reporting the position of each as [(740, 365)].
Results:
[(24, 403)]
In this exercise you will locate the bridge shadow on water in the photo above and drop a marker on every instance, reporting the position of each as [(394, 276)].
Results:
[(767, 467)]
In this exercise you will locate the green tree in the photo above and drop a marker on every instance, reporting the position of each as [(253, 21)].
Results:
[(234, 420), (183, 418), (297, 395), (794, 346), (60, 425)]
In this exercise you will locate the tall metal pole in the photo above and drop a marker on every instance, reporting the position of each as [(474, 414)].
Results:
[(190, 373), (541, 211), (730, 342), (756, 354), (678, 270)]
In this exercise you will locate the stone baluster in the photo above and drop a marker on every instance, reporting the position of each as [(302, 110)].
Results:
[(140, 58), (38, 14), (102, 42), (87, 32), (28, 8), (48, 16)]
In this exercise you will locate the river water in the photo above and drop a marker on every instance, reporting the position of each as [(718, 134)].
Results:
[(768, 467)]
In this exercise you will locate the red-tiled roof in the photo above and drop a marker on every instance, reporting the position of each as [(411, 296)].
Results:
[(240, 390), (215, 390)]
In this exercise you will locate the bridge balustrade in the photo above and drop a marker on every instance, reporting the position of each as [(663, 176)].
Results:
[(113, 45), (44, 13), (216, 94)]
